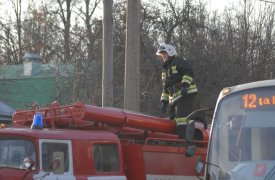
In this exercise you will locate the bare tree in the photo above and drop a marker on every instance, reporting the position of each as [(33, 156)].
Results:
[(17, 7), (87, 50), (226, 48), (65, 15)]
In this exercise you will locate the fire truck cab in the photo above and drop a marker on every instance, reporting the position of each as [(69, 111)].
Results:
[(88, 142), (59, 154)]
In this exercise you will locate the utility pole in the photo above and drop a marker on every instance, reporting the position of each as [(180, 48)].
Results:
[(132, 56), (107, 64)]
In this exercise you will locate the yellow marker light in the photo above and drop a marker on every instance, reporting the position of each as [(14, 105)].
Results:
[(226, 90)]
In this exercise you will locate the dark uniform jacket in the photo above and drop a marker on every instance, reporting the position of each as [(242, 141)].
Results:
[(177, 78)]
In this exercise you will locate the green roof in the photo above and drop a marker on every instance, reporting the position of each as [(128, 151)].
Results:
[(41, 71), (20, 89), (40, 84)]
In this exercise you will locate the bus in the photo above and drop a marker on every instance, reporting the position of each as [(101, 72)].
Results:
[(242, 136)]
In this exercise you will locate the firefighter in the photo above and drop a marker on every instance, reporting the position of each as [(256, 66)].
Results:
[(179, 89)]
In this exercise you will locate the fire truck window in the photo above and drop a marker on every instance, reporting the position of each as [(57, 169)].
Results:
[(13, 152), (55, 157), (106, 157)]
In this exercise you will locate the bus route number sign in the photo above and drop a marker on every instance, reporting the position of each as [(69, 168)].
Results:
[(252, 101)]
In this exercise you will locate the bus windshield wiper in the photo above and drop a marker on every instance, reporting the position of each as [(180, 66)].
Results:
[(270, 173)]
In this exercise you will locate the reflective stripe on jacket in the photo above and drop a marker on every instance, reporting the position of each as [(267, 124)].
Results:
[(177, 73)]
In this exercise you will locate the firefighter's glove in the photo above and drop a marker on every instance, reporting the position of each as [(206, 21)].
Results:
[(171, 90), (163, 107), (168, 83)]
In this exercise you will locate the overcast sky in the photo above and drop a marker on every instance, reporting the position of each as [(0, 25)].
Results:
[(218, 4), (211, 4), (221, 4)]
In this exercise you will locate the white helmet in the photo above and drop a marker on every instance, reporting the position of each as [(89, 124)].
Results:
[(168, 48)]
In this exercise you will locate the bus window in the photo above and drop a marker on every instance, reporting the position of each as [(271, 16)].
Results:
[(239, 140)]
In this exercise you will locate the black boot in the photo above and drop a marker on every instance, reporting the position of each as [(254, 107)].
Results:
[(190, 131)]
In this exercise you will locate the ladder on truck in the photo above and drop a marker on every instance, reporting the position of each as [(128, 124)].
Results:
[(126, 124)]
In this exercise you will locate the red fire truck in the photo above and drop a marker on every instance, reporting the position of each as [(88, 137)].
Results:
[(81, 141)]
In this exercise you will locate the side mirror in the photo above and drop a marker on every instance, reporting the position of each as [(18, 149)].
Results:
[(28, 163), (199, 167)]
